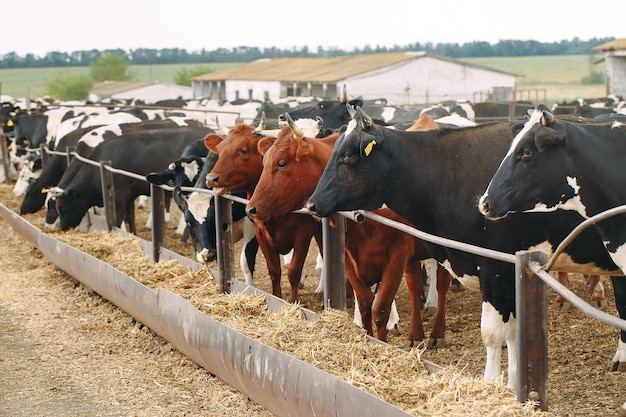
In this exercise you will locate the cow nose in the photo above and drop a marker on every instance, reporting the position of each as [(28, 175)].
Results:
[(483, 206), (212, 179), (251, 212)]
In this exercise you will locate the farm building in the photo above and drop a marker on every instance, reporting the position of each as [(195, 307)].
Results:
[(148, 91), (402, 78), (615, 64)]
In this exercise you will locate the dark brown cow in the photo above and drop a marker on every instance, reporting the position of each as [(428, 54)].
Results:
[(238, 168), (375, 253)]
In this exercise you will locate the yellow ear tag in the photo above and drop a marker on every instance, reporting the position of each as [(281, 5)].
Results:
[(10, 122), (44, 190), (369, 147)]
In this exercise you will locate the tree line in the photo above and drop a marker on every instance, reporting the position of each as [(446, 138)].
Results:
[(144, 56)]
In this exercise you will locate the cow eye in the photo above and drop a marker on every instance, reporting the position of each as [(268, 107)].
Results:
[(526, 154), (243, 151), (282, 164), (346, 157)]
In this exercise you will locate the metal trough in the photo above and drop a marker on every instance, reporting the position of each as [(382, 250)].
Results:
[(282, 384)]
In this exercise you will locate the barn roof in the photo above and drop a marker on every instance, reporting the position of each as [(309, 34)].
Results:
[(109, 88), (322, 69), (609, 46)]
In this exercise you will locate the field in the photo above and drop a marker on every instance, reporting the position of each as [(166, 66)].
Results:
[(546, 79)]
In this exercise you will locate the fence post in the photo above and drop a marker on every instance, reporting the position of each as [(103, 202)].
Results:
[(69, 150), (108, 194), (6, 160), (45, 156), (225, 246), (157, 197), (334, 255), (532, 330)]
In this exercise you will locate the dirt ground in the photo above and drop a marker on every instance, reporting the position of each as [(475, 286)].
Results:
[(50, 356)]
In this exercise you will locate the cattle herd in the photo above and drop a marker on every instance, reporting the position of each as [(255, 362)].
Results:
[(502, 177)]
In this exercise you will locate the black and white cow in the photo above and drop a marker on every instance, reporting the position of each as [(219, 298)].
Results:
[(555, 164), (84, 139), (432, 178), (140, 152), (32, 131), (199, 213)]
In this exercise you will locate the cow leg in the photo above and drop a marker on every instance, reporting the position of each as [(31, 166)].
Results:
[(247, 259), (363, 298), (562, 303), (415, 285), (129, 215), (438, 332), (272, 260), (619, 288), (389, 284), (494, 331), (296, 266), (596, 289), (430, 305)]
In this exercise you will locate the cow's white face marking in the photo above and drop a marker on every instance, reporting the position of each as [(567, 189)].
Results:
[(535, 118), (198, 204), (23, 180), (191, 170)]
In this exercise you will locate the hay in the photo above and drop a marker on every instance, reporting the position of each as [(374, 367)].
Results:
[(332, 343)]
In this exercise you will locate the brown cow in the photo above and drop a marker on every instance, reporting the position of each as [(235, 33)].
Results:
[(238, 168), (375, 253)]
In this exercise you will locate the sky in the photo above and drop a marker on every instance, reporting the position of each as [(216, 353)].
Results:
[(41, 26)]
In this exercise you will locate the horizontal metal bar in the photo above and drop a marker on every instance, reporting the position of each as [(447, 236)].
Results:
[(577, 302)]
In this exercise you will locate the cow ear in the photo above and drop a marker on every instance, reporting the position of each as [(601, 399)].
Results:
[(264, 144), (303, 148), (546, 137), (516, 128), (211, 141)]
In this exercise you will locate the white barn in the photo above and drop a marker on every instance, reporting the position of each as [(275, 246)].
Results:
[(148, 91), (615, 64), (401, 78)]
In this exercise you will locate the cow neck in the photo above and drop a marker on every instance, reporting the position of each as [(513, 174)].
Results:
[(443, 171)]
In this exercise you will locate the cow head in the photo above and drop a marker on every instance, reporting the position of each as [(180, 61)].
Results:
[(34, 197), (292, 165), (525, 181), (199, 213), (183, 172), (240, 164), (72, 208), (345, 183), (27, 175)]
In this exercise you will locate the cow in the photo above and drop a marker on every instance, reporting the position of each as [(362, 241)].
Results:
[(556, 165), (85, 140), (31, 131), (373, 165), (35, 195), (375, 253), (139, 152), (239, 168), (198, 211)]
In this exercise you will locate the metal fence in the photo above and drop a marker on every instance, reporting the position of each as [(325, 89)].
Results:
[(531, 271)]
